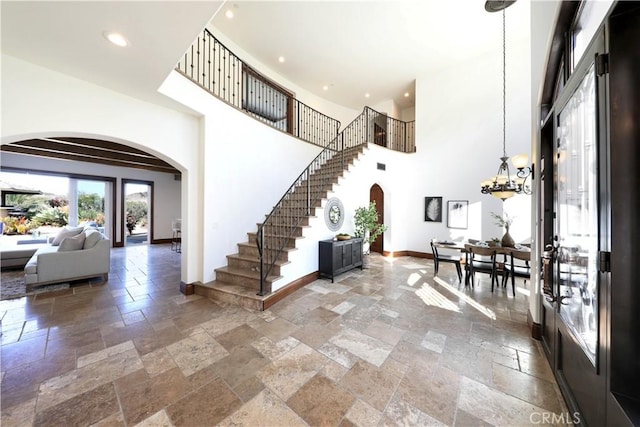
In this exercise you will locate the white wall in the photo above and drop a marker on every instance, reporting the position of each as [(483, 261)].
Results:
[(244, 171), (408, 114), (389, 107), (458, 117), (459, 142), (166, 206), (39, 102), (353, 191)]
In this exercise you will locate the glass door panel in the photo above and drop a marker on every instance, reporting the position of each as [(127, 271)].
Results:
[(577, 215), (92, 203)]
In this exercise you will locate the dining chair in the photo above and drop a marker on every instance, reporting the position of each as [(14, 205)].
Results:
[(517, 265), (438, 258), (481, 260)]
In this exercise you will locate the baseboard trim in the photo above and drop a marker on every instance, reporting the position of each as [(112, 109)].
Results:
[(536, 328), (160, 241), (187, 288), (397, 254), (289, 289)]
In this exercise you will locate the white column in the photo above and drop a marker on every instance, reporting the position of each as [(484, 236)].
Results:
[(73, 201)]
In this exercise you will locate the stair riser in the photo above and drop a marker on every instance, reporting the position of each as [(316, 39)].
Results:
[(280, 222), (286, 215), (253, 251), (227, 298), (291, 242), (295, 210), (275, 230), (250, 265), (302, 198), (247, 282), (271, 230)]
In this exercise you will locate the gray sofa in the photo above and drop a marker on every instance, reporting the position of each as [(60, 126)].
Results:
[(16, 256), (80, 255)]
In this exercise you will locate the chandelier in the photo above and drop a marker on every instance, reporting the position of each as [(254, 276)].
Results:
[(504, 185)]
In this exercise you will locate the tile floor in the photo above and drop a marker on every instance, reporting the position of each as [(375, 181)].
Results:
[(390, 345)]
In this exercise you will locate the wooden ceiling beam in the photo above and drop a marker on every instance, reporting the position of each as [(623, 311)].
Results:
[(108, 145), (108, 155), (28, 150)]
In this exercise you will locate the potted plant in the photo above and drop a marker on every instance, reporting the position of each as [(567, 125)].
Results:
[(366, 225), (505, 221)]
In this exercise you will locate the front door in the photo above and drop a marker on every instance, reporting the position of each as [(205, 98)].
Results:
[(580, 228), (377, 195)]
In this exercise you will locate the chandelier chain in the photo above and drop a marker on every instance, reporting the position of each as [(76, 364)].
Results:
[(504, 85), (503, 185)]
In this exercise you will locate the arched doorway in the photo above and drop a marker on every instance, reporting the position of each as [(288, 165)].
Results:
[(377, 195), (91, 161)]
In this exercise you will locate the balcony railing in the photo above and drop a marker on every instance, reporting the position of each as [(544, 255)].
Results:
[(390, 133), (218, 70)]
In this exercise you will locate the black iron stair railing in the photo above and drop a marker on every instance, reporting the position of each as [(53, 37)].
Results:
[(218, 70), (391, 133), (306, 193)]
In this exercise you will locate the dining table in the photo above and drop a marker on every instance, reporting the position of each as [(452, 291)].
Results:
[(464, 248)]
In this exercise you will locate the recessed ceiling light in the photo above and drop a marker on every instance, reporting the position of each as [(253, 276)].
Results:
[(281, 59), (366, 95), (325, 87), (116, 38), (229, 14), (406, 94)]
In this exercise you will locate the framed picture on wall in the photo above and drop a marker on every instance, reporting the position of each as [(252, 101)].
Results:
[(433, 209), (457, 213)]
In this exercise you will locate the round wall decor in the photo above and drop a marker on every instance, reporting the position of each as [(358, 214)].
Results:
[(334, 214)]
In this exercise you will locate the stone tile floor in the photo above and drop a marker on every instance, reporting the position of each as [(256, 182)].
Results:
[(389, 345)]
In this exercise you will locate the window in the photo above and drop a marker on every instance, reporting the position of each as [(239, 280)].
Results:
[(590, 16)]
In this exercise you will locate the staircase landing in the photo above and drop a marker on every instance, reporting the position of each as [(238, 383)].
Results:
[(246, 297)]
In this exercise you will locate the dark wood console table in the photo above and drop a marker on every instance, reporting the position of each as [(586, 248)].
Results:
[(338, 256)]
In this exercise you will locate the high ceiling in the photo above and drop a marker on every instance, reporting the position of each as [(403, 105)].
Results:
[(354, 47), (67, 36), (358, 47)]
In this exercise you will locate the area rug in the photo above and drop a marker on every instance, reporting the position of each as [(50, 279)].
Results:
[(12, 286)]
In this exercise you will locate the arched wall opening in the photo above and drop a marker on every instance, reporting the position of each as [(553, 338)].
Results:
[(100, 158)]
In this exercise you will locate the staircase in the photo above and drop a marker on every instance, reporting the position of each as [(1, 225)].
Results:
[(240, 281)]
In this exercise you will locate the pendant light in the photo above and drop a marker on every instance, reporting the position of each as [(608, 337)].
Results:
[(503, 185)]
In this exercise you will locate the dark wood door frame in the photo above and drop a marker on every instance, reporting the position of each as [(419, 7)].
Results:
[(619, 132), (123, 219)]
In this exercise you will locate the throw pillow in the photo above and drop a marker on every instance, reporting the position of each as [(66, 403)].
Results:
[(71, 243), (66, 232), (92, 237)]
